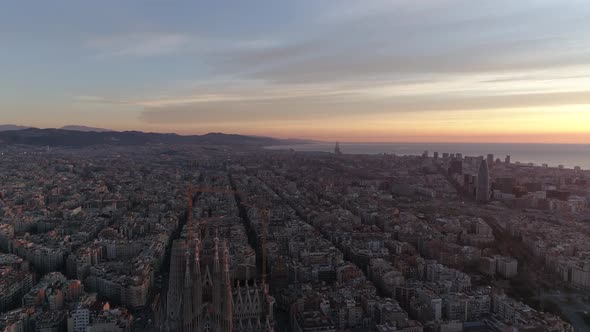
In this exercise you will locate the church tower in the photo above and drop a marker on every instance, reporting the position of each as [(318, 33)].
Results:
[(197, 290), (217, 284), (227, 324), (187, 303), (201, 299)]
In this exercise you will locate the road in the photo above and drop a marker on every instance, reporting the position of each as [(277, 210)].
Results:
[(571, 305)]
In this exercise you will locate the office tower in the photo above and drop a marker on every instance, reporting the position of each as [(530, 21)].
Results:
[(507, 267), (456, 167), (435, 155), (445, 155), (483, 183), (459, 156), (507, 160), (425, 154), (505, 185), (6, 236), (490, 159), (337, 149)]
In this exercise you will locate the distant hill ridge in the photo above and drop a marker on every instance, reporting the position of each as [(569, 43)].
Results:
[(88, 137), (7, 127), (84, 128)]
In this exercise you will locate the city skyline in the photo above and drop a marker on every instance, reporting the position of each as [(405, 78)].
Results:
[(379, 71), (295, 166), (218, 237)]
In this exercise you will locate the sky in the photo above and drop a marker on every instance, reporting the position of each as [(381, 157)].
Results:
[(348, 70)]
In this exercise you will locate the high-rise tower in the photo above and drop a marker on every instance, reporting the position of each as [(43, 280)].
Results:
[(483, 183), (337, 150)]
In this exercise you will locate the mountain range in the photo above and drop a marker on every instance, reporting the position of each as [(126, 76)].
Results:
[(8, 127), (84, 128), (87, 136)]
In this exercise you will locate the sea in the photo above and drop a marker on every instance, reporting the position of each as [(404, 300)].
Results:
[(569, 155)]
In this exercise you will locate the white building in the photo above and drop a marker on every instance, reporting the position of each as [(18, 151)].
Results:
[(507, 267), (79, 321)]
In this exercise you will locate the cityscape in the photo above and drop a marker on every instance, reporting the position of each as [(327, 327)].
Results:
[(295, 166), (234, 238)]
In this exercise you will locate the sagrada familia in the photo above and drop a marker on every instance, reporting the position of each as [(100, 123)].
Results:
[(202, 296)]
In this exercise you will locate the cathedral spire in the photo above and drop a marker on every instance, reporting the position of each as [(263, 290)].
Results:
[(228, 293), (198, 256), (187, 305), (197, 290), (217, 290), (187, 269), (216, 268), (226, 275)]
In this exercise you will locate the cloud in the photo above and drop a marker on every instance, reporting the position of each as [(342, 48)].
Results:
[(96, 100), (326, 107), (413, 40), (137, 44), (389, 58), (362, 65)]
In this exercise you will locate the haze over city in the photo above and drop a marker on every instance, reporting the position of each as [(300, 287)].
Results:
[(362, 71), (295, 166)]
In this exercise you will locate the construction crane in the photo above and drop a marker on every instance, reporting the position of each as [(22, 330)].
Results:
[(189, 213), (215, 190), (200, 225), (156, 307), (202, 221)]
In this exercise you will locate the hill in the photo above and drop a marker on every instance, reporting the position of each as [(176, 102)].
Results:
[(84, 128), (7, 127), (75, 138)]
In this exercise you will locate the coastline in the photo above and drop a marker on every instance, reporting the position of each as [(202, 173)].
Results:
[(568, 155)]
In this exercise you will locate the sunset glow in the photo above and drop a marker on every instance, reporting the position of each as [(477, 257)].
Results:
[(380, 71)]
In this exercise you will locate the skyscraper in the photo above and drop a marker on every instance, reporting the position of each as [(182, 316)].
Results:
[(483, 183), (490, 160), (337, 149), (456, 167)]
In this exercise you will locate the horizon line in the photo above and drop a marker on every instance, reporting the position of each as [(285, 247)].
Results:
[(309, 140)]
